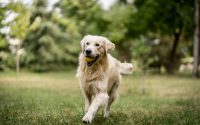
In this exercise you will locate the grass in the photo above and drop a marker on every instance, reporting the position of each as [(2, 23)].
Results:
[(55, 98)]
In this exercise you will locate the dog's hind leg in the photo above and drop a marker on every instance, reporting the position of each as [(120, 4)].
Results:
[(112, 97)]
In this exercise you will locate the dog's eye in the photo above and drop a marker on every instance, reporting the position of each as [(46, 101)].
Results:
[(97, 45), (87, 43)]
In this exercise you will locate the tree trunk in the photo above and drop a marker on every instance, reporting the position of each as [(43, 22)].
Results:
[(17, 60), (171, 61), (196, 40)]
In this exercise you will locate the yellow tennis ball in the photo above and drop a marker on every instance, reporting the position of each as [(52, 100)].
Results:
[(89, 59)]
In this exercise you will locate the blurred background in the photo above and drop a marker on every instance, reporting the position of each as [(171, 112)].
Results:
[(157, 36), (40, 45)]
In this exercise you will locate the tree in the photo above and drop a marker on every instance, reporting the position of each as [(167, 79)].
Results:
[(166, 18), (3, 44), (53, 40), (86, 14), (19, 26), (196, 50), (117, 19)]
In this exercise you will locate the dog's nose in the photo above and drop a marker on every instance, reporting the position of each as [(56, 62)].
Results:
[(88, 51)]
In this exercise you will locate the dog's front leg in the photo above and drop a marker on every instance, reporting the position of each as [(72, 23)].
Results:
[(87, 98), (100, 99)]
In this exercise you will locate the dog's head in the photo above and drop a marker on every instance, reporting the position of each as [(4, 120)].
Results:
[(95, 48)]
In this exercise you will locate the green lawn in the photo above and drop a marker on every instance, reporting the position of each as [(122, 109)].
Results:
[(55, 98)]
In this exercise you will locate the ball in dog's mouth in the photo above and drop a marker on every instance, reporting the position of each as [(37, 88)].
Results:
[(91, 60)]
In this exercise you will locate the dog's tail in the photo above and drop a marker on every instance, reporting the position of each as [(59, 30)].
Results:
[(125, 68)]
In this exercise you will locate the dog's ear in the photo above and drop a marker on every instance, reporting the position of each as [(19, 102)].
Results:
[(83, 42), (109, 45)]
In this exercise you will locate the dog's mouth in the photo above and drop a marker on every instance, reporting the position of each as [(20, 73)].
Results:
[(91, 60)]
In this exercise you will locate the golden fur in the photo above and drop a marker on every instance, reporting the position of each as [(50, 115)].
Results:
[(99, 82)]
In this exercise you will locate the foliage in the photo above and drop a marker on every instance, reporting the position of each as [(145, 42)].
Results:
[(164, 16), (51, 37), (142, 53), (47, 45), (3, 43), (19, 26), (86, 14), (155, 20)]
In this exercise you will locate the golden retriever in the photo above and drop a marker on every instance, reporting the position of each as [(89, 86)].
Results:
[(99, 74)]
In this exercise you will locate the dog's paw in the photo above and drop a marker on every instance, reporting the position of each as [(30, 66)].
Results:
[(87, 119), (106, 114)]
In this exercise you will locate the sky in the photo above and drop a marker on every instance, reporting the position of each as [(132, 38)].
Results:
[(106, 3)]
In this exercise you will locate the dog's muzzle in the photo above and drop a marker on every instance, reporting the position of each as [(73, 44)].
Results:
[(91, 60), (89, 57), (88, 52)]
